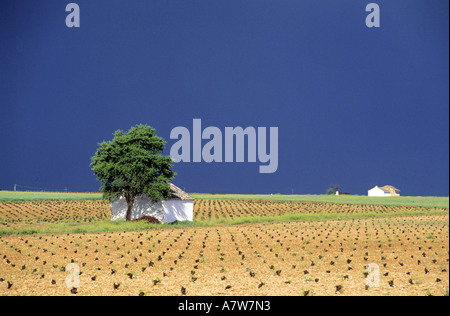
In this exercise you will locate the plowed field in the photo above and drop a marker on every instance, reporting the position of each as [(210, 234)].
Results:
[(20, 213), (293, 258)]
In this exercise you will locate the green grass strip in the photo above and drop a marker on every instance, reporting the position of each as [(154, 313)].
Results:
[(47, 196), (122, 225), (424, 201)]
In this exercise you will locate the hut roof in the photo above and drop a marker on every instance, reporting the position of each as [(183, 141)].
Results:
[(178, 194), (389, 188)]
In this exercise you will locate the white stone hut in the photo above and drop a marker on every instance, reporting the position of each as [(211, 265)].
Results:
[(387, 190), (179, 207)]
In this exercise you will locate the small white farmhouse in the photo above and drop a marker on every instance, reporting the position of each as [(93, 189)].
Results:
[(180, 207), (387, 190)]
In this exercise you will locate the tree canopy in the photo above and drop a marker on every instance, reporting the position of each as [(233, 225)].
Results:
[(133, 164)]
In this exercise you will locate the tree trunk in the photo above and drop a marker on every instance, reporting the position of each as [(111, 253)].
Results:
[(130, 202)]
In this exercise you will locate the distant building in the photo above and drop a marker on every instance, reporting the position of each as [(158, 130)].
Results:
[(387, 190)]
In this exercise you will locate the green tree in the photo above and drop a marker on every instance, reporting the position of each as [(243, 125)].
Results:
[(132, 164)]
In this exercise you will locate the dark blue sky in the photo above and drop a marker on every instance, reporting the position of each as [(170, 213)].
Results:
[(355, 106)]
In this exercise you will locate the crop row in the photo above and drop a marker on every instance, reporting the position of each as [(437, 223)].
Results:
[(215, 209), (83, 210), (18, 211)]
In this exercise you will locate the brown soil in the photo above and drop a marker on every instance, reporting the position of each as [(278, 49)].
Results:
[(297, 258)]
